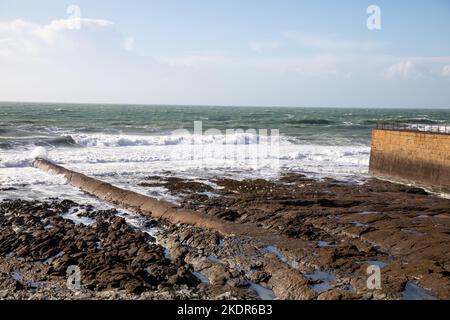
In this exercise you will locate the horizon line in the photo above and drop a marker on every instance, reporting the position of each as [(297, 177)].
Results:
[(217, 105)]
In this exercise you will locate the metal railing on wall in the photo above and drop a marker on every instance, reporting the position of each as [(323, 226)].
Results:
[(420, 127)]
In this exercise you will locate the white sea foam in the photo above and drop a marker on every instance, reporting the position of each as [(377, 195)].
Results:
[(39, 153), (125, 160), (18, 162), (109, 140)]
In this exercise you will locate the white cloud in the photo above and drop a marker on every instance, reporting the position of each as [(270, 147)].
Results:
[(260, 46), (15, 26), (446, 71), (128, 44), (197, 59), (417, 67), (38, 63), (403, 69), (329, 43), (51, 31), (22, 37), (320, 65)]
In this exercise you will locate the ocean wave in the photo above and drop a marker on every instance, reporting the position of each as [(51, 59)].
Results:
[(311, 121), (58, 142), (6, 145), (421, 120), (417, 120), (33, 141), (15, 163), (370, 122), (105, 140)]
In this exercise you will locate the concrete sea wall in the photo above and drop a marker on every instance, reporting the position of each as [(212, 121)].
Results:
[(419, 158)]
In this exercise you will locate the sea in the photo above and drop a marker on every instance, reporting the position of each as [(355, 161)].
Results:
[(124, 144)]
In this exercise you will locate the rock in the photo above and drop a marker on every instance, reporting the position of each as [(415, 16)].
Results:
[(183, 277), (374, 221), (367, 295), (150, 224), (330, 295), (287, 283), (379, 296), (239, 282), (177, 253), (134, 286), (258, 276), (217, 274), (3, 294)]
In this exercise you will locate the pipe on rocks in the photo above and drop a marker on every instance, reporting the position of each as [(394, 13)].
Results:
[(134, 201), (172, 213), (280, 272)]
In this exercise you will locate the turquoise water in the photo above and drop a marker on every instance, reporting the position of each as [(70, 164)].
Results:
[(122, 144), (37, 123)]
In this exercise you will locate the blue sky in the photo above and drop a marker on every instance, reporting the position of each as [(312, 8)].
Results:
[(291, 53)]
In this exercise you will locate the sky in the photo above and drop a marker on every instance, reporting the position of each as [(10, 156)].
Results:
[(247, 52)]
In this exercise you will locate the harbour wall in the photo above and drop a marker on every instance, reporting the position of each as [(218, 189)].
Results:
[(412, 157)]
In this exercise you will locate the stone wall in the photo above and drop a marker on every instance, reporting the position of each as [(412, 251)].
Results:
[(419, 158)]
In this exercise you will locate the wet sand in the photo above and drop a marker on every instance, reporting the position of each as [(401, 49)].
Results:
[(339, 230)]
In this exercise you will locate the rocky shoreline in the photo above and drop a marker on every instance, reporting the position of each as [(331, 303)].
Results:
[(343, 228)]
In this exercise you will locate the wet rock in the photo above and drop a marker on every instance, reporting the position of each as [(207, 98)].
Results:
[(3, 294), (176, 185), (335, 294), (217, 274), (177, 253), (287, 283), (258, 276), (110, 254), (184, 276), (239, 282), (373, 220)]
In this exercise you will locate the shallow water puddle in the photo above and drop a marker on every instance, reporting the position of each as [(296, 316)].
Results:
[(275, 251), (213, 258), (325, 279), (210, 195), (50, 260), (167, 254), (213, 185), (73, 215), (139, 223), (263, 293), (411, 231), (18, 277), (201, 277), (324, 244), (414, 292), (378, 263), (359, 224), (349, 288), (366, 213)]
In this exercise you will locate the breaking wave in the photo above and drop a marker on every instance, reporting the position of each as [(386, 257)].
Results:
[(104, 140)]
